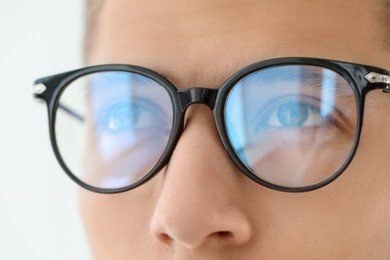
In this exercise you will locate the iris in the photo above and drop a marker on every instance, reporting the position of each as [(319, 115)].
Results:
[(293, 114)]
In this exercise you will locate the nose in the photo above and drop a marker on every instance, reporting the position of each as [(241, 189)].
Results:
[(199, 204)]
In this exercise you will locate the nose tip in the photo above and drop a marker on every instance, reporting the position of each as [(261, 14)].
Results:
[(193, 230)]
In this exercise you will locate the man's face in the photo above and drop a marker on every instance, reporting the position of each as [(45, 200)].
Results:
[(200, 206)]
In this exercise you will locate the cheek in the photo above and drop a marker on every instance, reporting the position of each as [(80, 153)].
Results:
[(118, 223), (349, 219), (372, 160), (368, 177)]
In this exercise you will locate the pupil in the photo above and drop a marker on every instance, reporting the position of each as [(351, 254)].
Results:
[(292, 114)]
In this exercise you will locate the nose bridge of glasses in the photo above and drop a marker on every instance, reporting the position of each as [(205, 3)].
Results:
[(191, 96)]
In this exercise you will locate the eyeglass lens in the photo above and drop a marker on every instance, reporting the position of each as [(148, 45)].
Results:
[(291, 125), (122, 127)]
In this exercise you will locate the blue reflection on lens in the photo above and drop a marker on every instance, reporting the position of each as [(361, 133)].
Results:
[(235, 111), (328, 92), (234, 136)]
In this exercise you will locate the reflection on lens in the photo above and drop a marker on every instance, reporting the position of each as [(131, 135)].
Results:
[(112, 127), (292, 126)]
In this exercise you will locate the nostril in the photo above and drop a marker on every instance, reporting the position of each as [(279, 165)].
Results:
[(224, 234), (164, 238)]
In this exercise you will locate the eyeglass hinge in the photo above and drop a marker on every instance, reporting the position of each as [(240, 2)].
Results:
[(39, 89), (374, 77)]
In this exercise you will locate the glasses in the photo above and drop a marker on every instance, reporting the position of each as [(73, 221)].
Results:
[(289, 124)]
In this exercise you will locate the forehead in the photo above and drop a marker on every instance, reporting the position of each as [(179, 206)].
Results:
[(201, 43)]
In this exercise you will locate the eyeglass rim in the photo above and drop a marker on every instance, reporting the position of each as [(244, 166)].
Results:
[(353, 73)]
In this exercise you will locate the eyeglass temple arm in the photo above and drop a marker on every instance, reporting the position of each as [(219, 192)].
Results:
[(40, 88), (71, 112)]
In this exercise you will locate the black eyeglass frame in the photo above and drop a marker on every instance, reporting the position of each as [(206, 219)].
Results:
[(362, 79)]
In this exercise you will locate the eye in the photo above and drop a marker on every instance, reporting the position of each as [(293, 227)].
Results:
[(296, 112), (131, 114)]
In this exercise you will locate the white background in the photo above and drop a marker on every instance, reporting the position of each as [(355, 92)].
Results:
[(39, 218)]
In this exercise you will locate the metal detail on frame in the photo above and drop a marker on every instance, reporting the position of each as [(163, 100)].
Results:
[(39, 89), (374, 77)]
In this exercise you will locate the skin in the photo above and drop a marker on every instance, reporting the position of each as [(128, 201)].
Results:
[(201, 206)]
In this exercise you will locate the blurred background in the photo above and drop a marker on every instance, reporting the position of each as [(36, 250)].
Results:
[(39, 216)]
